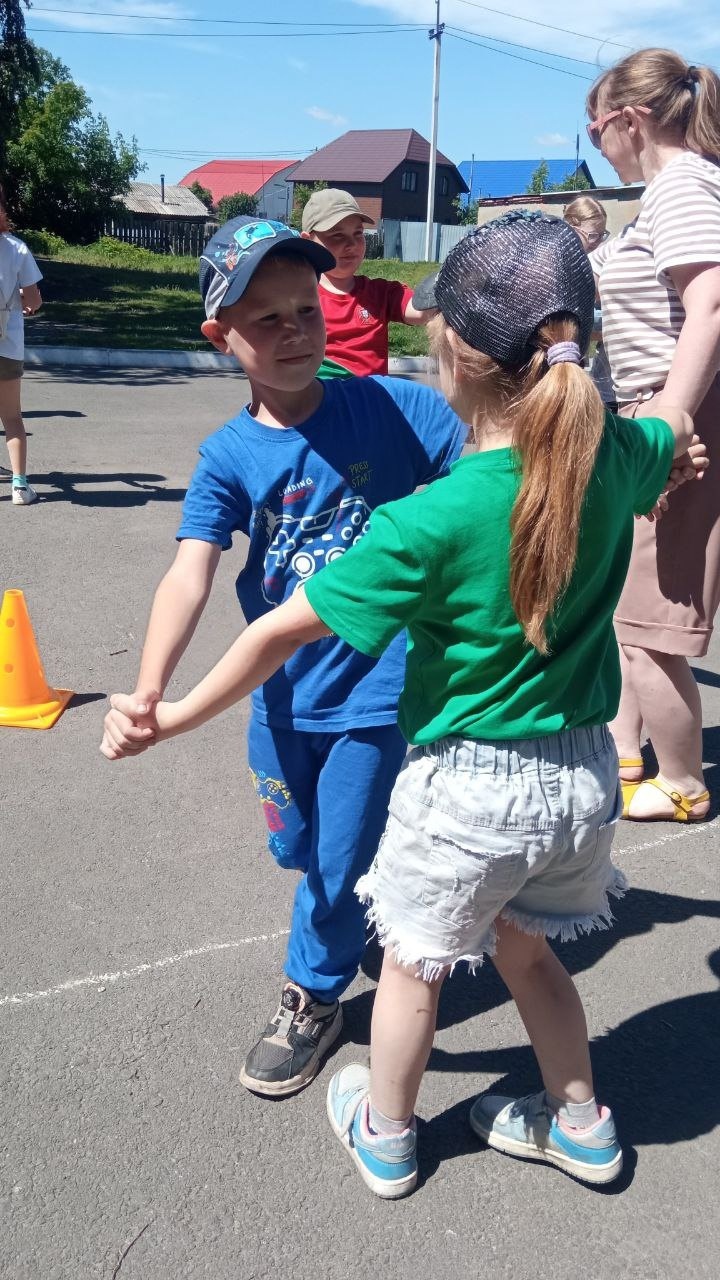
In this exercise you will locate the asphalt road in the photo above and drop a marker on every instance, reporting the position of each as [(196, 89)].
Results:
[(143, 938)]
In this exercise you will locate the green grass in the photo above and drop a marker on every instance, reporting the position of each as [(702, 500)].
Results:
[(405, 339), (114, 295)]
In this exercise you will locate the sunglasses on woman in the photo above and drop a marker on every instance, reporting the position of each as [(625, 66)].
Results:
[(595, 127)]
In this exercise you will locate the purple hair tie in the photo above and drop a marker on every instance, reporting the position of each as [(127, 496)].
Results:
[(564, 353)]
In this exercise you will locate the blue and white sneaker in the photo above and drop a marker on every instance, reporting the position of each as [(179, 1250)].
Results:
[(387, 1163), (528, 1128)]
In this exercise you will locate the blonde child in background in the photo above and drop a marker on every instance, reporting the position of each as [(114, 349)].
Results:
[(588, 218)]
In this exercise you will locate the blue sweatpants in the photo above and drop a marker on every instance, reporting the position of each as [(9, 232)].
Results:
[(325, 799)]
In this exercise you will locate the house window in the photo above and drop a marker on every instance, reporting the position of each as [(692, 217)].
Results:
[(444, 185), (409, 180)]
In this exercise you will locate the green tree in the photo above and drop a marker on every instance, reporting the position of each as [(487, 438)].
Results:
[(18, 65), (204, 194), (236, 205), (467, 214), (573, 181), (539, 180), (302, 192), (66, 168)]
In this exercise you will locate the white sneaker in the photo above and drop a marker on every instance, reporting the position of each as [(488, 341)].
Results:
[(23, 495)]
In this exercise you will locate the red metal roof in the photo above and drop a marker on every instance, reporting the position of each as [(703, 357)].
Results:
[(227, 177), (365, 155)]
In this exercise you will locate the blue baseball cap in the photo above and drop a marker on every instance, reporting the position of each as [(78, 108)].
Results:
[(230, 260)]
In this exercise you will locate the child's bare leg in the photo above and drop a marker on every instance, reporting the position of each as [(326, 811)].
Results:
[(403, 1026), (550, 1007), (13, 425)]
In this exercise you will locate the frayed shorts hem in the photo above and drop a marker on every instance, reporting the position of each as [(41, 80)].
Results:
[(411, 954), (568, 928)]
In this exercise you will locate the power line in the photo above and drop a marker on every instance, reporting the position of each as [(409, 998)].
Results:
[(226, 35), (516, 17), (561, 71), (232, 22), (550, 53)]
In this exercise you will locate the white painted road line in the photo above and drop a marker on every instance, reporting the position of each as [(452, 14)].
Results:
[(686, 829), (104, 979)]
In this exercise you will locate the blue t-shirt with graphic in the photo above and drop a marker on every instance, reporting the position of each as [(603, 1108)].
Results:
[(303, 495)]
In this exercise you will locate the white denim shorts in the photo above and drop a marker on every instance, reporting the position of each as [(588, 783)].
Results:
[(480, 829)]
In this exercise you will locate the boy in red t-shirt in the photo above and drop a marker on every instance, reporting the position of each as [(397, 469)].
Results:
[(357, 309)]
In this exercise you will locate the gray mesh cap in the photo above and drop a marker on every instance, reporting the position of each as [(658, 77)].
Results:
[(504, 279)]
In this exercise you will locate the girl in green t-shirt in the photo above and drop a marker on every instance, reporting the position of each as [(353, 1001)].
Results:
[(505, 574)]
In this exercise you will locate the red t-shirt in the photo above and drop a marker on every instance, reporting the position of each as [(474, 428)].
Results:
[(357, 322)]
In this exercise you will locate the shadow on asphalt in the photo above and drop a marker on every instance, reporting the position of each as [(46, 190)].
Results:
[(658, 1068), (53, 413), (132, 377), (142, 487), (706, 677), (80, 699)]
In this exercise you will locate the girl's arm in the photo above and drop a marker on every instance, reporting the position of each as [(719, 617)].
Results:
[(255, 656), (697, 356), (31, 299)]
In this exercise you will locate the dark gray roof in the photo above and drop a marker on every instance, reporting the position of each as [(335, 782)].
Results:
[(366, 155)]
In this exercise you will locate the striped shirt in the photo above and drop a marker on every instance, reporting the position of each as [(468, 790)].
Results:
[(678, 224)]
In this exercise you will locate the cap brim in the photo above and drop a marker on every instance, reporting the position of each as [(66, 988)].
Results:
[(423, 298), (327, 224), (316, 254)]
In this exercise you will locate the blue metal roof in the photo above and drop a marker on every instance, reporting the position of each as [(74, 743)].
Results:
[(494, 178)]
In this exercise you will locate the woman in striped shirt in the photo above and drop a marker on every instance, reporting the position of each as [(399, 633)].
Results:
[(657, 120)]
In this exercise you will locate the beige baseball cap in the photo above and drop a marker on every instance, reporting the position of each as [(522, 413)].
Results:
[(326, 208)]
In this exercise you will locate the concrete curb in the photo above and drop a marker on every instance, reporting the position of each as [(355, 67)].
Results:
[(110, 358)]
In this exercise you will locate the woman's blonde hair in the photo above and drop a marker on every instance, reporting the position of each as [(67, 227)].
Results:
[(557, 416), (582, 210), (683, 99)]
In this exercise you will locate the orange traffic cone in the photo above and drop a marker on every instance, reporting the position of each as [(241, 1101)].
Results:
[(26, 701)]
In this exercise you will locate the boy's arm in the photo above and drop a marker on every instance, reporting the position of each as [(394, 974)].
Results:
[(130, 726), (411, 315), (256, 655)]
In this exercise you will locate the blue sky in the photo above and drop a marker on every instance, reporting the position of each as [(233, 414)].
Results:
[(192, 91)]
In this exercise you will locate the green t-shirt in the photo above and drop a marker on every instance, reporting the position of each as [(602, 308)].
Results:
[(438, 564)]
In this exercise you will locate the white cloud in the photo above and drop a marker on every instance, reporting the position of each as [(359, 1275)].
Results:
[(297, 64), (319, 113), (553, 140), (613, 28)]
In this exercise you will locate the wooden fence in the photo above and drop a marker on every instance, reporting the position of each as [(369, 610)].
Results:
[(180, 236)]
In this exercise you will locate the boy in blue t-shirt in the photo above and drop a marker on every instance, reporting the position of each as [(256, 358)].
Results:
[(299, 471)]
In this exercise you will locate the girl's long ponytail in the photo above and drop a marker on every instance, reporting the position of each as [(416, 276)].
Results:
[(558, 422)]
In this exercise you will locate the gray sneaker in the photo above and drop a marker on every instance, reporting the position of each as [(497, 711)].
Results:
[(289, 1052)]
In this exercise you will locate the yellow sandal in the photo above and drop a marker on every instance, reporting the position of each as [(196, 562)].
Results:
[(629, 788), (684, 805)]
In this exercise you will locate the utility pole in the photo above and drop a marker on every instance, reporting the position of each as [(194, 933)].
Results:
[(436, 35)]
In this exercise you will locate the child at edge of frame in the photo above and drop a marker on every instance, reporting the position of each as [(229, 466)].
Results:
[(299, 471), (505, 574)]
